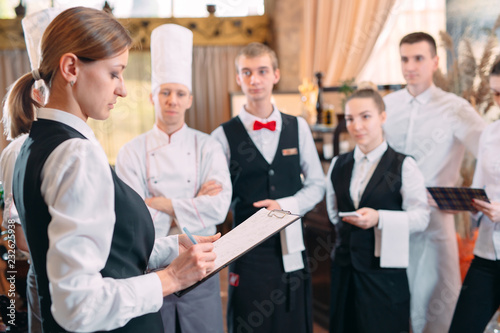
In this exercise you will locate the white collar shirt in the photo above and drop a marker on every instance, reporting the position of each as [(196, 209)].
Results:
[(175, 166), (394, 227), (487, 176), (313, 186), (78, 189), (364, 166), (434, 127), (265, 140)]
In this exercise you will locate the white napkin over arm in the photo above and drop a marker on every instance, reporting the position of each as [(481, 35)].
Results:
[(292, 241), (393, 232)]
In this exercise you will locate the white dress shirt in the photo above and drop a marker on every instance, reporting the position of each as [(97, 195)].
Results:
[(487, 176), (313, 188), (7, 162), (267, 142), (435, 128), (78, 189), (415, 213), (175, 167)]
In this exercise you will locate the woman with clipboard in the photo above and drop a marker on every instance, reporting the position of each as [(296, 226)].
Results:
[(90, 236), (376, 197), (480, 294)]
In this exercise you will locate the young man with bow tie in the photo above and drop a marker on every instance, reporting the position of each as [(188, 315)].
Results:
[(273, 164)]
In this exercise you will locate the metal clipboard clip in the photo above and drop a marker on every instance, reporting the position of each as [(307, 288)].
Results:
[(278, 213)]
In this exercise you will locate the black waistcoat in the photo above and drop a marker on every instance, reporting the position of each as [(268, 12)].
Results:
[(355, 245), (133, 236), (253, 178)]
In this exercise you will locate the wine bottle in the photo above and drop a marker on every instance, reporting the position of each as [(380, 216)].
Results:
[(319, 100)]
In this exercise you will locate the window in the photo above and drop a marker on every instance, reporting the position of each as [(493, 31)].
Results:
[(145, 8)]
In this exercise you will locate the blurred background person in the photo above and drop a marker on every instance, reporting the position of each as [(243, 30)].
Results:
[(480, 294), (434, 127)]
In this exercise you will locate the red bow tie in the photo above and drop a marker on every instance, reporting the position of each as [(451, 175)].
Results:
[(257, 125)]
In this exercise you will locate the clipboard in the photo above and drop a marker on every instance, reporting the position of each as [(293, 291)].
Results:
[(246, 236), (457, 198)]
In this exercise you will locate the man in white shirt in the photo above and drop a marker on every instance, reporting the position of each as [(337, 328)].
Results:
[(274, 164), (435, 127), (181, 173)]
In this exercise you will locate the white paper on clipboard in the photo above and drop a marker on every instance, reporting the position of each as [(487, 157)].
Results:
[(247, 235)]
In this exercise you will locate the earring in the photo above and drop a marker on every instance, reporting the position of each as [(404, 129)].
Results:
[(71, 83)]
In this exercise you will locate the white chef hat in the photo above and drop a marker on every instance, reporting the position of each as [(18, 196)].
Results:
[(171, 55), (34, 26)]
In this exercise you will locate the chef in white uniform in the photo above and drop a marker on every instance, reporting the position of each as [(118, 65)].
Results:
[(180, 172), (435, 128)]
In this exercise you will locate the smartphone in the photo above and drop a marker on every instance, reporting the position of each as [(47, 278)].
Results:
[(342, 214)]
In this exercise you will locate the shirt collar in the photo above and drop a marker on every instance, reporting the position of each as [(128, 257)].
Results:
[(372, 156), (248, 119), (174, 137), (68, 119), (422, 98)]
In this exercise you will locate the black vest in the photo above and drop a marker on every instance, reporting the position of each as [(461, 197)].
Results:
[(355, 245), (253, 178), (133, 236)]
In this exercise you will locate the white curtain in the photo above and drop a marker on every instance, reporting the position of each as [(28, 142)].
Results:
[(338, 36)]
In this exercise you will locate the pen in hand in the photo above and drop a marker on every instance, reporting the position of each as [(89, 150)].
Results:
[(190, 236)]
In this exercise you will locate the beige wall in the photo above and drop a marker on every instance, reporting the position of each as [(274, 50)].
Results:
[(286, 23)]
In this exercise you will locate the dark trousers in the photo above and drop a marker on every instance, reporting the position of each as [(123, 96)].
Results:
[(369, 301), (479, 297), (265, 299)]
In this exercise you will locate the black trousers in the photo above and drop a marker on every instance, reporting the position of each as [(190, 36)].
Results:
[(369, 301), (479, 297), (265, 299)]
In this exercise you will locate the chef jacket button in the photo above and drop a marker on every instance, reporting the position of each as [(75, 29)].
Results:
[(271, 172), (189, 181), (273, 188)]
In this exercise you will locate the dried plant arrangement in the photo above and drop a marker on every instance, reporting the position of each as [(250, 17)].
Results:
[(468, 76)]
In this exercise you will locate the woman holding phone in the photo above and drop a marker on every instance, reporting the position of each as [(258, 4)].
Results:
[(382, 198)]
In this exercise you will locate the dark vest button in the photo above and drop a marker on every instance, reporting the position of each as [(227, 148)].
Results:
[(273, 188), (271, 172)]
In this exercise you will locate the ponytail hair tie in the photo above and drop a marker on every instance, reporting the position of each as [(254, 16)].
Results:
[(36, 74)]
